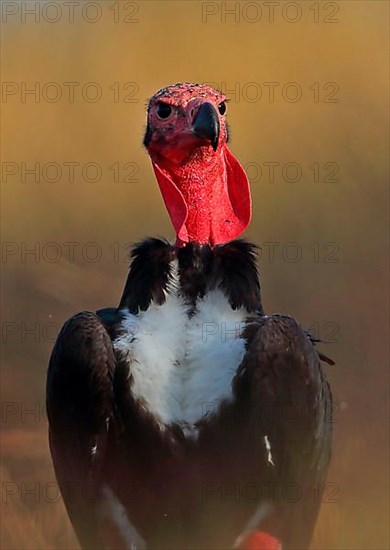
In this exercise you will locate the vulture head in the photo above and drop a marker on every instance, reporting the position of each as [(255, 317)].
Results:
[(204, 187)]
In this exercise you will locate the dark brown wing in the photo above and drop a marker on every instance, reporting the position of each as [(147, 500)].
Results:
[(80, 409), (283, 380)]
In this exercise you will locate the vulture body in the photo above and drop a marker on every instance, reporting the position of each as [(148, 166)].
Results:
[(186, 418)]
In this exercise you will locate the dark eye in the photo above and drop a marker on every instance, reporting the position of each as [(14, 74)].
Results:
[(222, 108), (163, 110)]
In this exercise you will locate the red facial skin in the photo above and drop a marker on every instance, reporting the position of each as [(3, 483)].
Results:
[(206, 192), (258, 540)]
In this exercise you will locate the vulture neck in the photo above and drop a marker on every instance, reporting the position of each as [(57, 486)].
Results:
[(204, 188), (202, 182)]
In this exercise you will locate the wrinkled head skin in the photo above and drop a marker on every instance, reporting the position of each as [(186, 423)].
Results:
[(172, 114), (204, 187)]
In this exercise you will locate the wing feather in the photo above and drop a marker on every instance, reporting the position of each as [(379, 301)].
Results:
[(282, 375), (80, 408)]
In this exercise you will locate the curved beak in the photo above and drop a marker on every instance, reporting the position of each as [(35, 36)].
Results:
[(206, 124)]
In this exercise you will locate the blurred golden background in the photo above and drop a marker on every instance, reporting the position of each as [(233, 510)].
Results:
[(308, 88)]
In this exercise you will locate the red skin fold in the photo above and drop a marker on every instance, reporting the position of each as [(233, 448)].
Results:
[(258, 540)]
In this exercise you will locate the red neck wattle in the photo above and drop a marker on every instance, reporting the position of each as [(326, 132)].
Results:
[(208, 198)]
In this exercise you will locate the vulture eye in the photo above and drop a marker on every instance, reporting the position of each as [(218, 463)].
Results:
[(163, 110), (222, 108)]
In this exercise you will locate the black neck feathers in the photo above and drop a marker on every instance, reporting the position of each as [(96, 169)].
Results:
[(200, 268)]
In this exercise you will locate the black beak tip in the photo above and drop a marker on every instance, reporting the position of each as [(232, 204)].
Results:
[(206, 124)]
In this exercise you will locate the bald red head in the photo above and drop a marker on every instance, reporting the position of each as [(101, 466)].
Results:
[(204, 187)]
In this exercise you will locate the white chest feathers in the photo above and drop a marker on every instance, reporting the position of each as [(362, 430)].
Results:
[(182, 367)]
